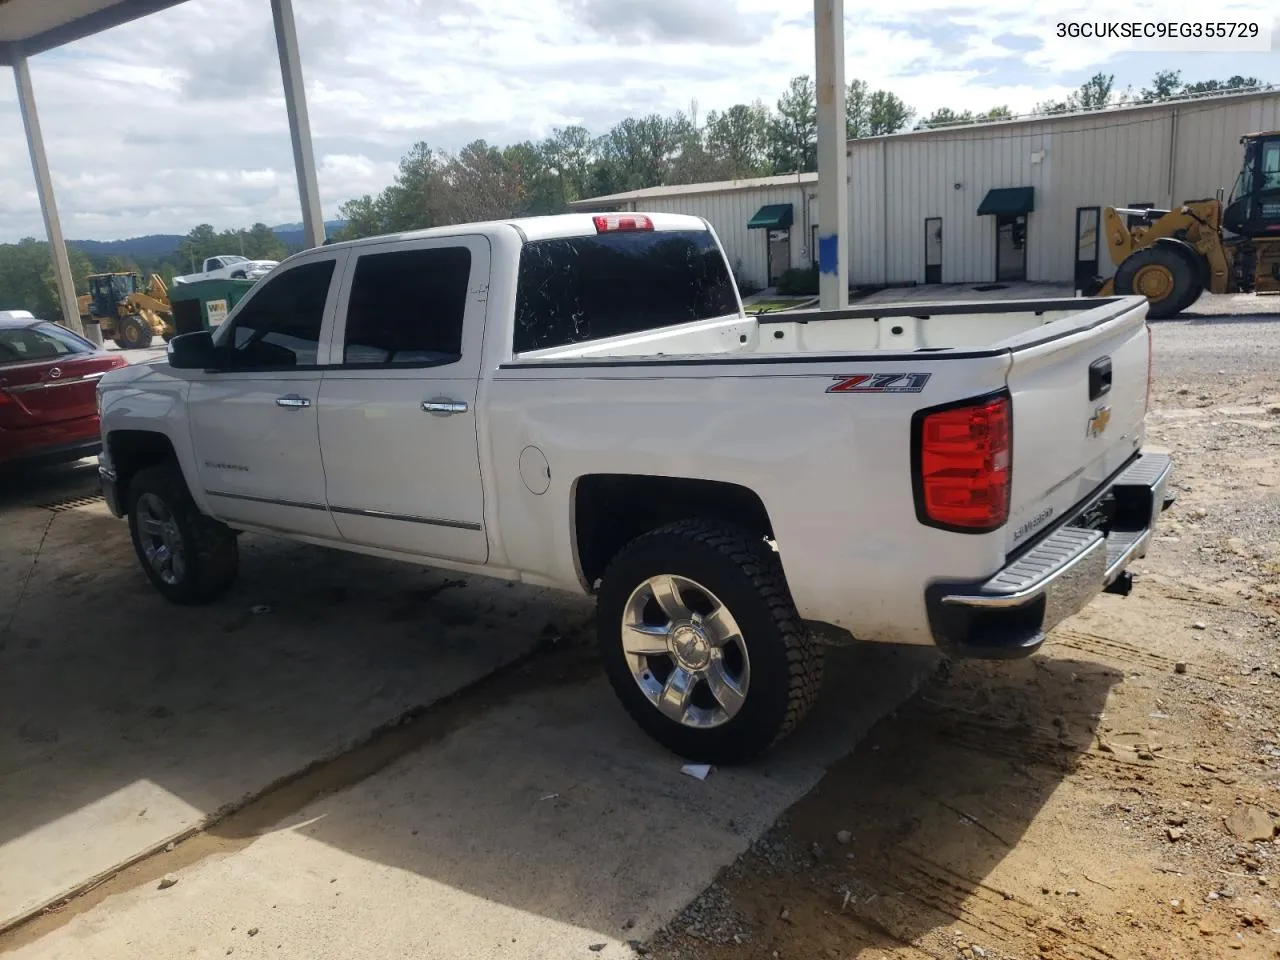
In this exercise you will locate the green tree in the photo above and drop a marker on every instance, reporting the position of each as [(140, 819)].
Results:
[(945, 117), (886, 113), (1001, 112), (857, 123), (1095, 93), (793, 133), (1236, 82), (1164, 84), (738, 140), (261, 243)]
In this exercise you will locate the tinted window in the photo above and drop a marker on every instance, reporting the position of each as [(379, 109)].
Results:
[(407, 307), (48, 341), (280, 325), (586, 288)]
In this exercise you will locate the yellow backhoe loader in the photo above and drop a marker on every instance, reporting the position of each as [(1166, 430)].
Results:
[(128, 314), (1172, 256)]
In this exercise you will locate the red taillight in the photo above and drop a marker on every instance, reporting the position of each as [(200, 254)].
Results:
[(618, 222), (963, 466), (6, 398)]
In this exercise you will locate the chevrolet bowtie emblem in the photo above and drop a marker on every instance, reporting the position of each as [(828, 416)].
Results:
[(1098, 422)]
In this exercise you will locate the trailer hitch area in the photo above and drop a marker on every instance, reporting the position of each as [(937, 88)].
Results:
[(1121, 585)]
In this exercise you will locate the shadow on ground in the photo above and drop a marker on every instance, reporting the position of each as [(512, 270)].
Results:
[(933, 800), (125, 721)]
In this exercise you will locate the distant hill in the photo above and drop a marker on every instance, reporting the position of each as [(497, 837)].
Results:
[(161, 244), (152, 245), (290, 234)]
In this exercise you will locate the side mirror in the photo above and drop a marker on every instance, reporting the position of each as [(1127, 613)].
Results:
[(192, 351)]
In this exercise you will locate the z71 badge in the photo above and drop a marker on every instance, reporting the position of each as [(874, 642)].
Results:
[(880, 383)]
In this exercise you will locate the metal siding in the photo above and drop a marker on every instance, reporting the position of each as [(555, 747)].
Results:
[(728, 212), (1099, 160)]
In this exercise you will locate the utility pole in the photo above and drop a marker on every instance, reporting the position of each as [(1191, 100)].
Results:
[(833, 186)]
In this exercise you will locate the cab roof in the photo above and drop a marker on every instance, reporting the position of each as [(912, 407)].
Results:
[(533, 228)]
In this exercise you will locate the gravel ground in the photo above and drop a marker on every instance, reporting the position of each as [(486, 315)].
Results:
[(1114, 797)]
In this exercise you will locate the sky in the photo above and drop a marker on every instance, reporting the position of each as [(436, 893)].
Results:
[(179, 119)]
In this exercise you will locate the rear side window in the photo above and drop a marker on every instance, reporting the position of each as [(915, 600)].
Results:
[(407, 307), (47, 341), (587, 288), (280, 325)]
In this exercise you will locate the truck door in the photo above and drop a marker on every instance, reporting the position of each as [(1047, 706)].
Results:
[(397, 406), (253, 422)]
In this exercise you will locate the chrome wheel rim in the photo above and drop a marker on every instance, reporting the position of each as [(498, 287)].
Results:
[(685, 651), (161, 539)]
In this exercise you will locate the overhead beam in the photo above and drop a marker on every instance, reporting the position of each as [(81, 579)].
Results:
[(122, 11), (833, 186), (295, 101), (44, 187)]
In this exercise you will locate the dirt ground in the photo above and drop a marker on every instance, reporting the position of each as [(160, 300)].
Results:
[(1114, 797)]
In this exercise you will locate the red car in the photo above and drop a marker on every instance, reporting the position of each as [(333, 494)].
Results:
[(48, 382)]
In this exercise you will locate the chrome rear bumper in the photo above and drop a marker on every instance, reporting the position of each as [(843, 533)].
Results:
[(1009, 614)]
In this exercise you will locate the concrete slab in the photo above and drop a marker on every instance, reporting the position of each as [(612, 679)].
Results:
[(125, 721), (546, 827), (952, 292)]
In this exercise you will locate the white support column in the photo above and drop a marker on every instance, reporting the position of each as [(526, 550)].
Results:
[(833, 186), (44, 187), (295, 101)]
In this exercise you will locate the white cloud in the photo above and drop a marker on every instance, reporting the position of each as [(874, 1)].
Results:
[(179, 118)]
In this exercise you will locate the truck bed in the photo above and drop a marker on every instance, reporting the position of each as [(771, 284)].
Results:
[(903, 328)]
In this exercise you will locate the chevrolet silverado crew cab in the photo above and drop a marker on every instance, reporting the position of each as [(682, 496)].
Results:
[(580, 402)]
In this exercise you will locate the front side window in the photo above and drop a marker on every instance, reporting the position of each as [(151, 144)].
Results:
[(45, 341), (279, 326), (407, 307), (587, 288), (1271, 165)]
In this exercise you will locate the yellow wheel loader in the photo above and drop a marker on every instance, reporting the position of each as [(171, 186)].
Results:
[(128, 314), (1172, 256)]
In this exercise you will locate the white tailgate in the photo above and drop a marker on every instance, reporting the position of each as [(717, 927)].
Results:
[(1065, 444)]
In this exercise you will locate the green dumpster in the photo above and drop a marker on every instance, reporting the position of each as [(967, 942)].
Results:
[(205, 304)]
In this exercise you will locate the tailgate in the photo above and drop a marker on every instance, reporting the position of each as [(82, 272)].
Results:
[(1079, 401)]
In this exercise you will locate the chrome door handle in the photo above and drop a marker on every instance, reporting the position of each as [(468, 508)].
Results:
[(443, 407), (292, 402)]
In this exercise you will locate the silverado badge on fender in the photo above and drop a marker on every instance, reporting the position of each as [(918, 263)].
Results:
[(1098, 422), (880, 383)]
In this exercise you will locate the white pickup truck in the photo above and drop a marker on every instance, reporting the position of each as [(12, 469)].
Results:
[(580, 402), (229, 267)]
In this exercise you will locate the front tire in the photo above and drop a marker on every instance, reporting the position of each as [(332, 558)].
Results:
[(702, 643), (1162, 275), (135, 333), (190, 558)]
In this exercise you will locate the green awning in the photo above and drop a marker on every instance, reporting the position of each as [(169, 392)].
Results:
[(1008, 201), (772, 216)]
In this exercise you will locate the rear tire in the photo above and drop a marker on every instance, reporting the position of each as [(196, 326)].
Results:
[(135, 333), (704, 691), (190, 558), (1163, 276)]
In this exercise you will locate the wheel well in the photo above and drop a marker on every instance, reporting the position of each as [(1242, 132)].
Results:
[(134, 450), (611, 510)]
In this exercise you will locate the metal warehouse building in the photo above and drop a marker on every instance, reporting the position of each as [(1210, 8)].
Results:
[(1014, 200)]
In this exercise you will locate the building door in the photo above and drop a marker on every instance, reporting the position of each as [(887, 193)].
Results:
[(933, 250), (1086, 246), (1011, 247), (779, 252)]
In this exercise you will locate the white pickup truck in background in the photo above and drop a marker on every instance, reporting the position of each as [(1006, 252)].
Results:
[(579, 402), (229, 267)]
